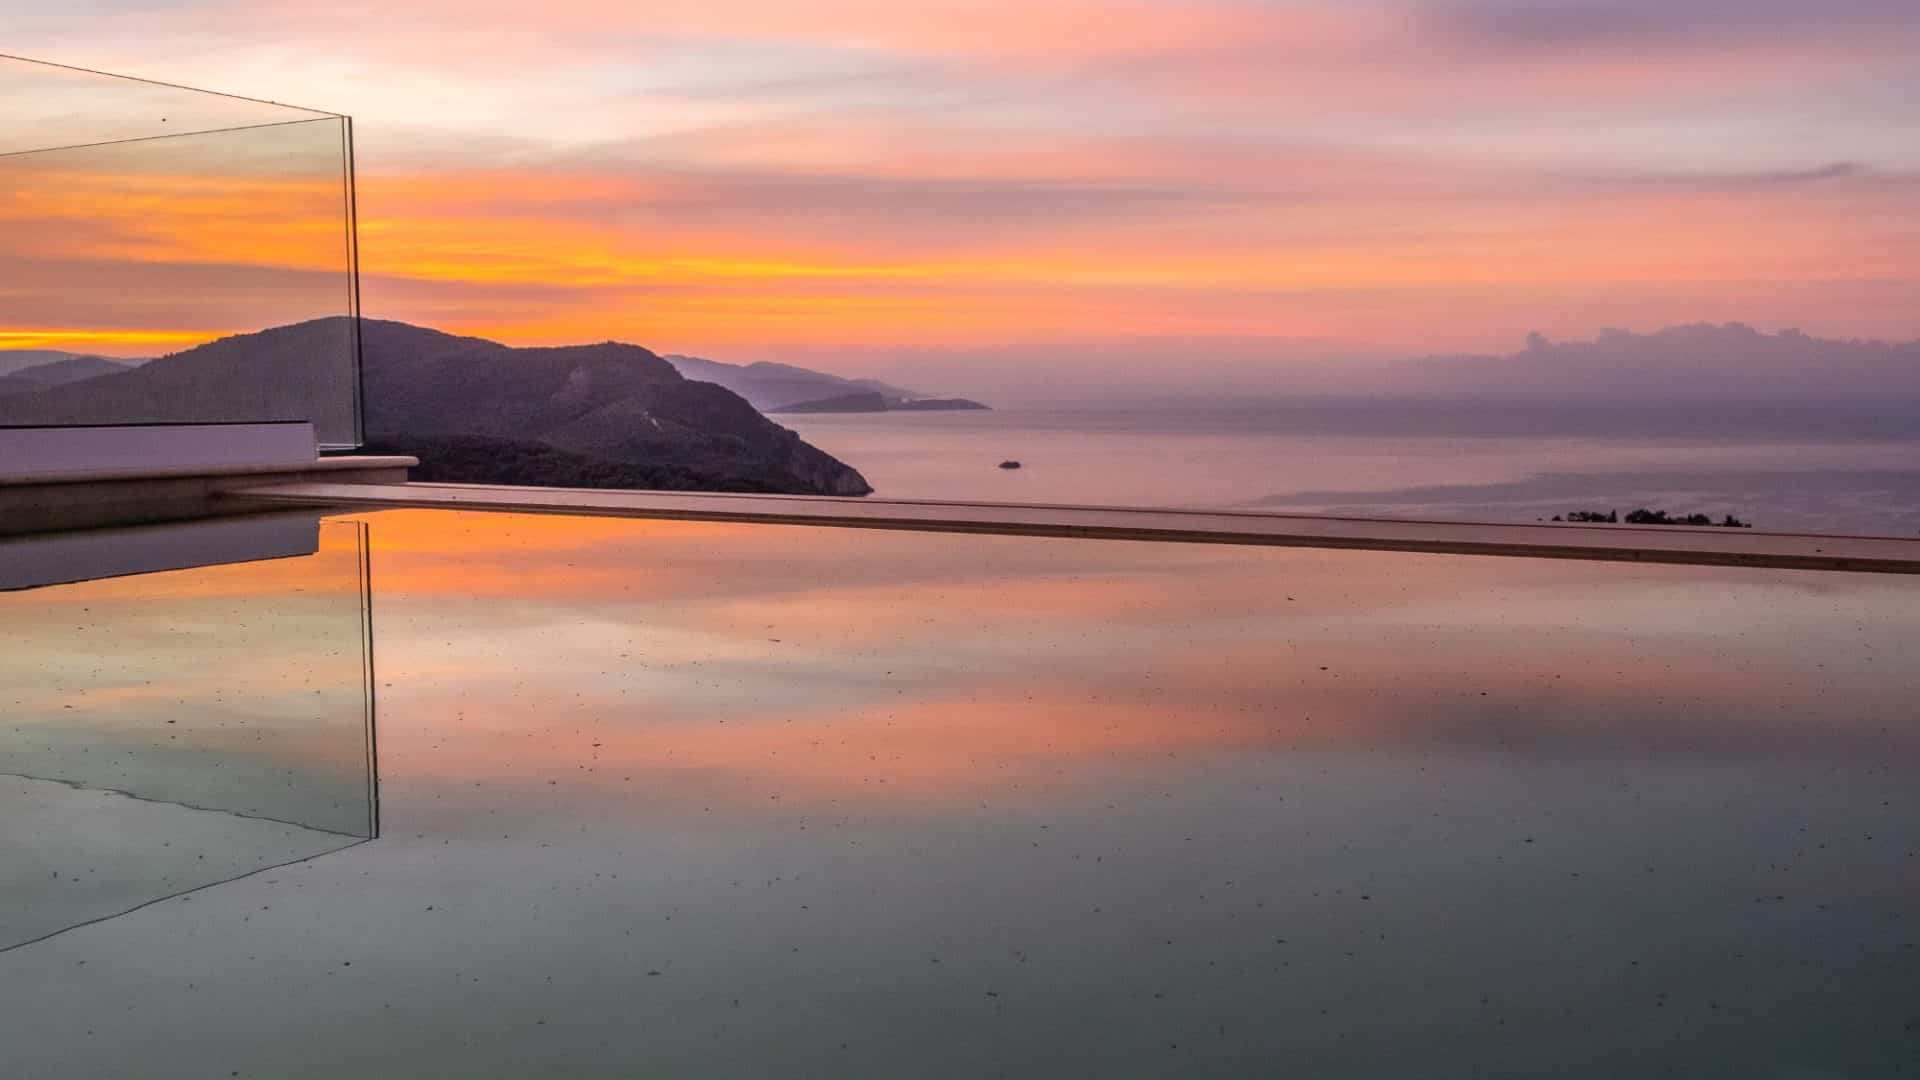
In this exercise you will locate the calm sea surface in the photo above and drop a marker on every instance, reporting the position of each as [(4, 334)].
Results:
[(1833, 470)]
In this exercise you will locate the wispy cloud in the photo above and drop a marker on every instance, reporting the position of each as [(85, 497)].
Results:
[(1066, 178), (1654, 24)]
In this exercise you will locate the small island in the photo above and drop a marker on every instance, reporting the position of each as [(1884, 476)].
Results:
[(1644, 516), (873, 402)]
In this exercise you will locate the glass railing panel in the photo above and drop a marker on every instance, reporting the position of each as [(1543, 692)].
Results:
[(47, 105), (164, 731), (134, 254)]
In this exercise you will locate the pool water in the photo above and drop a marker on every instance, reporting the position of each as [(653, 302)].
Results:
[(672, 799)]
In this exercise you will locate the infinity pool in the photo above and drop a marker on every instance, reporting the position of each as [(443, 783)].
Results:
[(679, 799)]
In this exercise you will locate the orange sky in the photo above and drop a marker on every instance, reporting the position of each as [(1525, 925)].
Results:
[(1234, 186)]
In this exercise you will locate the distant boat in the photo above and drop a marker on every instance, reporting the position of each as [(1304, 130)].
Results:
[(1009, 464)]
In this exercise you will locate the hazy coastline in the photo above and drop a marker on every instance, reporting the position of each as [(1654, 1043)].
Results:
[(1808, 467)]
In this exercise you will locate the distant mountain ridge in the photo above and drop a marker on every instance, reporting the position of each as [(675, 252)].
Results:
[(1704, 360), (71, 368), (13, 361), (872, 402), (770, 386)]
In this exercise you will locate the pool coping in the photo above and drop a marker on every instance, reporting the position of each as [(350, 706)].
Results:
[(1685, 545)]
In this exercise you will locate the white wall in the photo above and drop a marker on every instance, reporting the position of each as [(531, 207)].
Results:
[(54, 451)]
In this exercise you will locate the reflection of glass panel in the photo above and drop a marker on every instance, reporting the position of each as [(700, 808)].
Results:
[(141, 223), (167, 731), (91, 554)]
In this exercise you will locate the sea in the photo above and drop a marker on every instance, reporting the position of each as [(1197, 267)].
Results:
[(1851, 468)]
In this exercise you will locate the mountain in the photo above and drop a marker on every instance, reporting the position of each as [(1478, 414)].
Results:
[(772, 386), (13, 361), (871, 402), (604, 411), (610, 402), (212, 383), (1698, 361), (59, 372)]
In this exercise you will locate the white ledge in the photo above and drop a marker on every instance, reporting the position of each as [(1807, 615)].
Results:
[(132, 496), (175, 472), (1711, 546)]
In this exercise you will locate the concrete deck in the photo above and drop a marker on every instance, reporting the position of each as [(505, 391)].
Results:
[(60, 502), (1655, 544)]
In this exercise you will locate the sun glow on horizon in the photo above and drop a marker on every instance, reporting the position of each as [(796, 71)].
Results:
[(97, 340)]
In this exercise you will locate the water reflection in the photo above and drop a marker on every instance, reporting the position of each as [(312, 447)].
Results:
[(743, 800), (177, 727)]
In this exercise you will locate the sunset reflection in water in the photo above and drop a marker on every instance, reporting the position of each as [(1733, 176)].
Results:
[(742, 800), (920, 669)]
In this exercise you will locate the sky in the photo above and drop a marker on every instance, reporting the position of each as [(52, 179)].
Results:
[(976, 196)]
